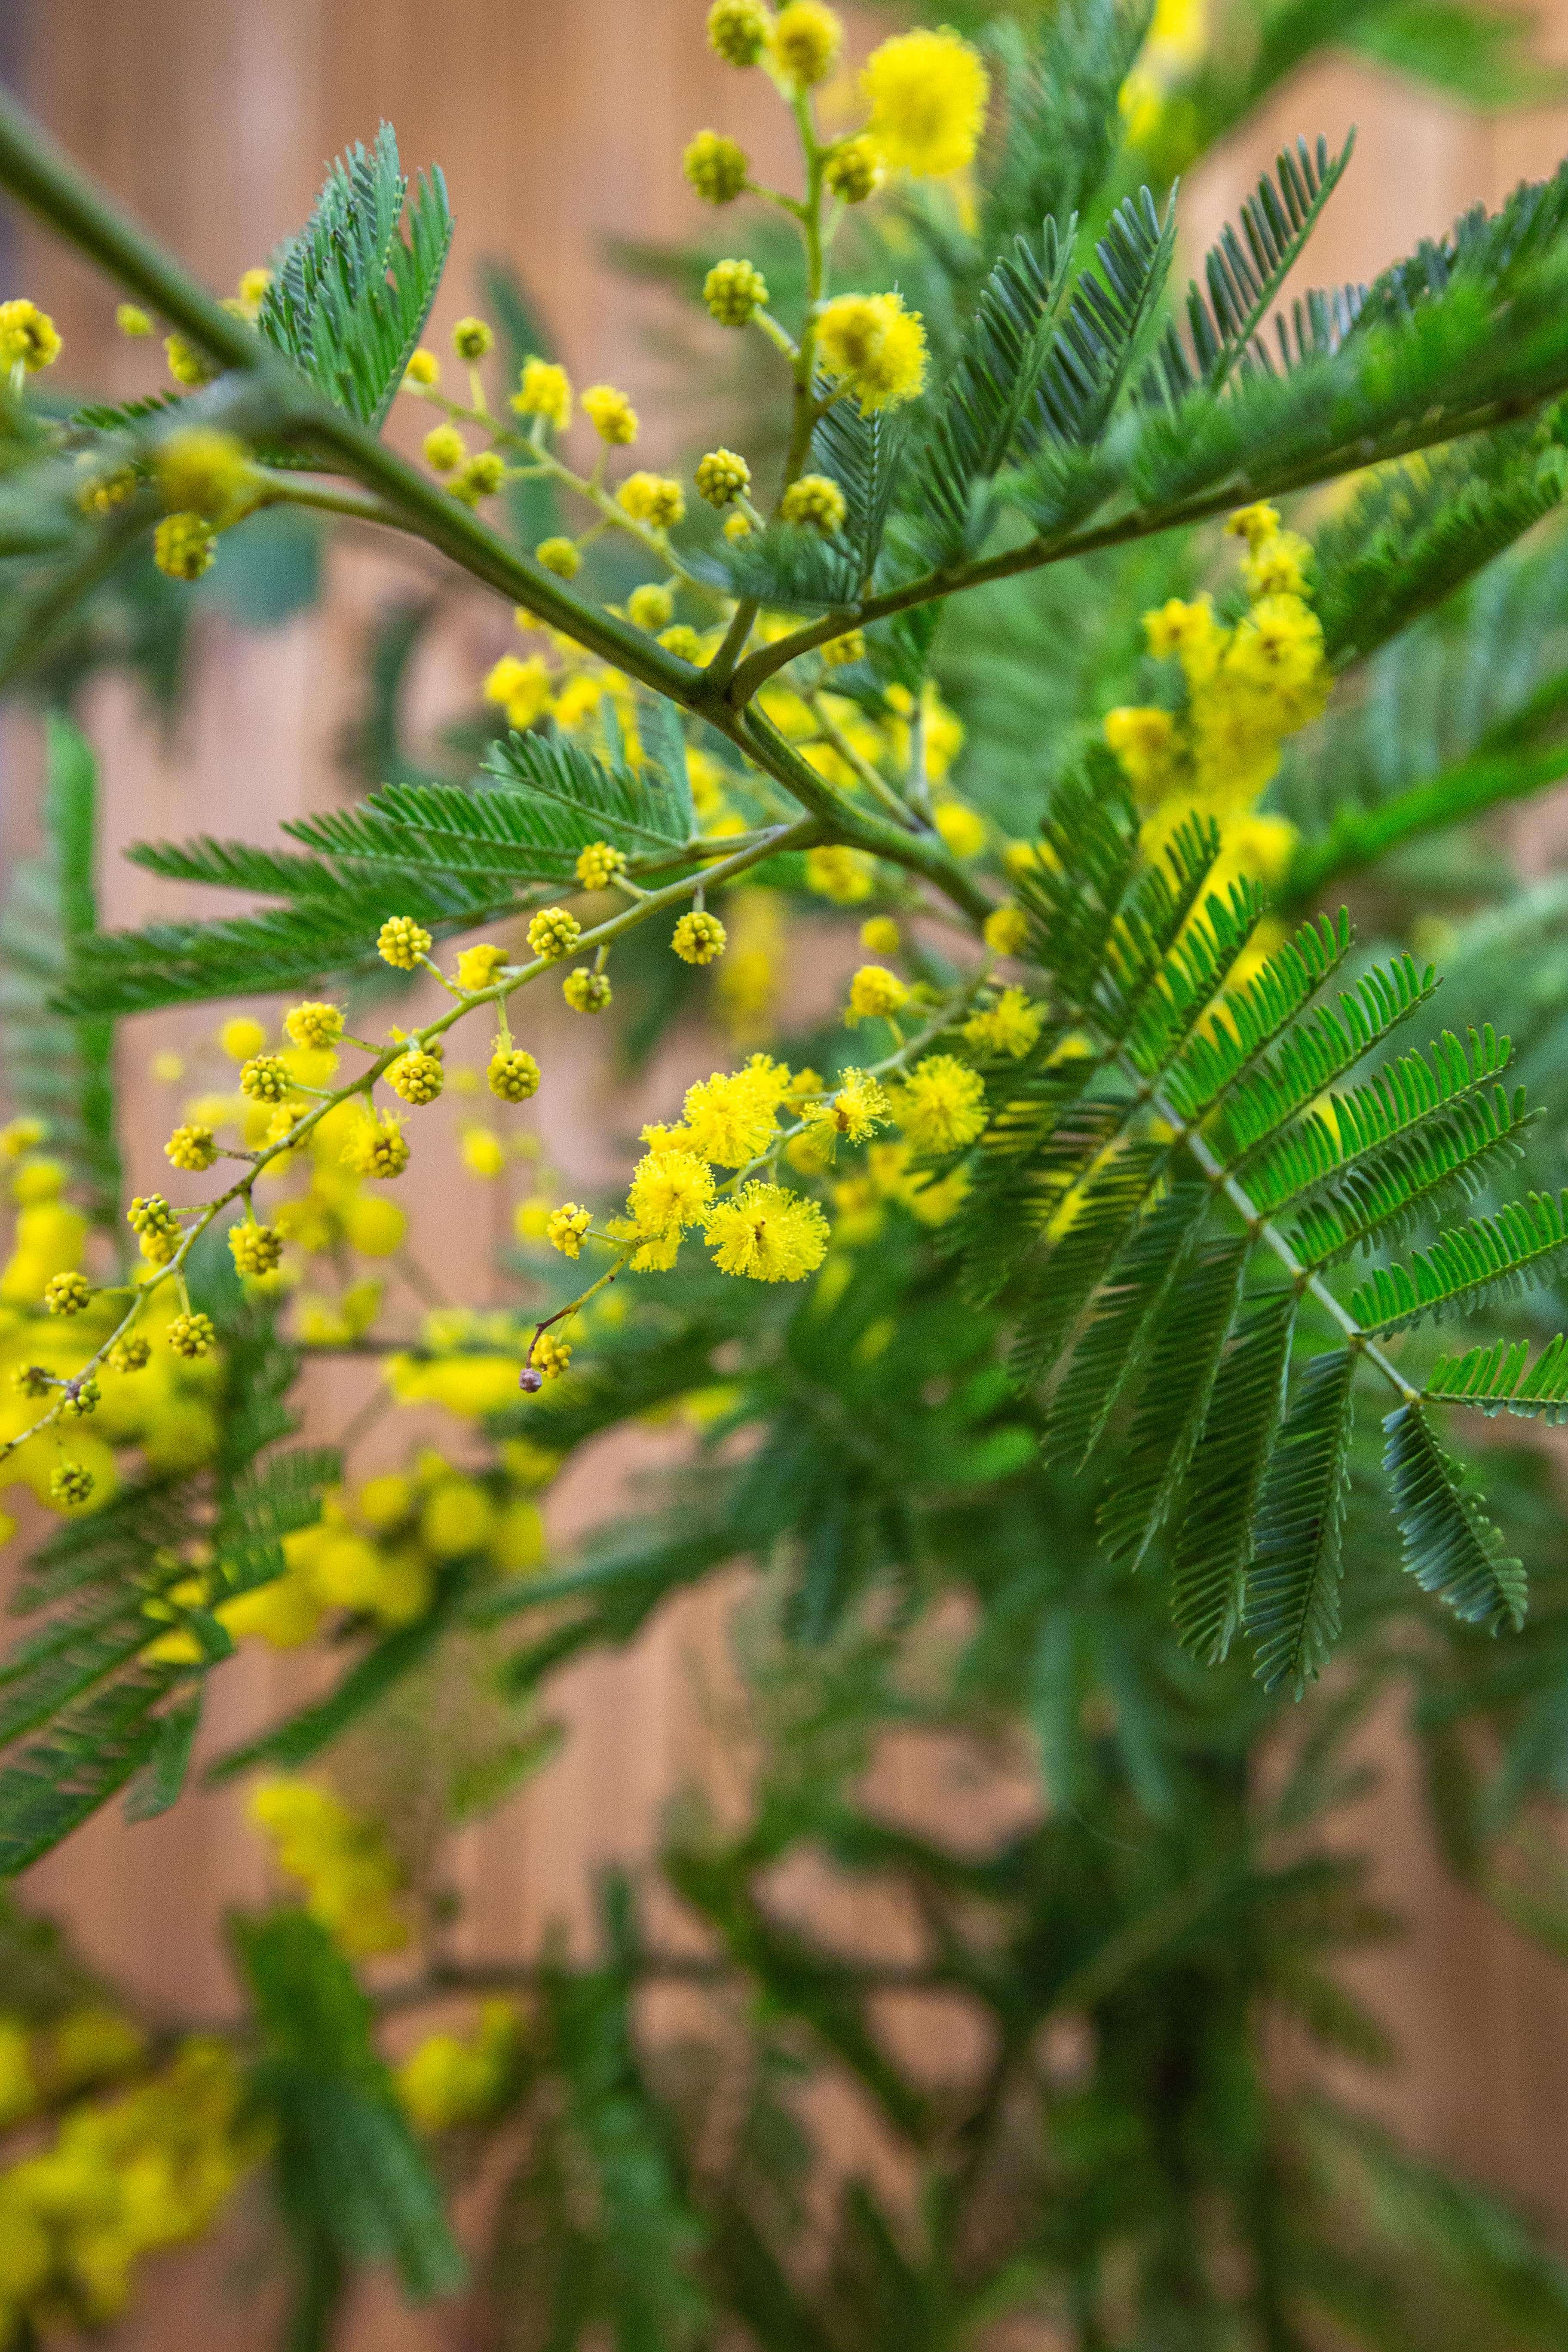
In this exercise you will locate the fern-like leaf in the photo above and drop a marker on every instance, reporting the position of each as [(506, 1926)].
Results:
[(863, 455), (1492, 1379), (1292, 1607), (1487, 1261), (1097, 344), (1212, 1542), (988, 393), (1184, 1362), (1451, 1548), (349, 295), (1243, 273)]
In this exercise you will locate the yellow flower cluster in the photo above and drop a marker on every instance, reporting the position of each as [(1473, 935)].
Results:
[(147, 2169), (378, 1554), (1247, 687), (765, 1231), (147, 1396), (350, 1877), (28, 337), (926, 91), (448, 2081)]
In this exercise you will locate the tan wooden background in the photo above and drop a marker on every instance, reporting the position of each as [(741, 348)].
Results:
[(559, 125)]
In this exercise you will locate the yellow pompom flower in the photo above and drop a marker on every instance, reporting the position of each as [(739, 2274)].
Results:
[(1011, 1025), (1278, 566), (734, 291), (927, 93), (403, 943), (598, 865), (839, 652), (373, 1225), (722, 477), (544, 390), (254, 1249), (1191, 632), (38, 1179), (767, 1234), (650, 606), (423, 369), (472, 340), (376, 1146), (28, 337), (1006, 931), (316, 1027), (130, 1355), (559, 555), (961, 828), (184, 546), (70, 1485), (484, 1153), (682, 641), (844, 876), (522, 687), (242, 1037), (187, 364), (568, 1228), (874, 993), (872, 344), (513, 1074), (131, 320), (652, 499), (1144, 741), (738, 525), (732, 1117), (445, 449), (265, 1077), (550, 1356), (738, 31), (941, 1104), (342, 1862), (700, 937), (859, 1108), (817, 503), (192, 1336), (1254, 523), (881, 934), (806, 40), (416, 1076), (587, 991), (156, 1226), (480, 478), (477, 965), (669, 1191), (67, 1293), (553, 934), (611, 414), (716, 167), (253, 286), (855, 171), (202, 472)]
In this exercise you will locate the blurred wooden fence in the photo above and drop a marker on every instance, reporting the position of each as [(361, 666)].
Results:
[(559, 126)]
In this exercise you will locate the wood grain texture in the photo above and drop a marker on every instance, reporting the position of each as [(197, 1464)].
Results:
[(560, 127)]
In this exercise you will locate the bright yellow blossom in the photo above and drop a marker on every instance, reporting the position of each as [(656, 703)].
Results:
[(927, 92), (767, 1233)]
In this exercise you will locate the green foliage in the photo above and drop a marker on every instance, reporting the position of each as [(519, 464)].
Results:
[(1243, 279), (103, 1710), (350, 295), (351, 2181), (1137, 1344), (60, 1070)]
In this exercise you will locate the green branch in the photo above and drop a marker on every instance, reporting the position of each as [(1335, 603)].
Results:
[(42, 177)]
